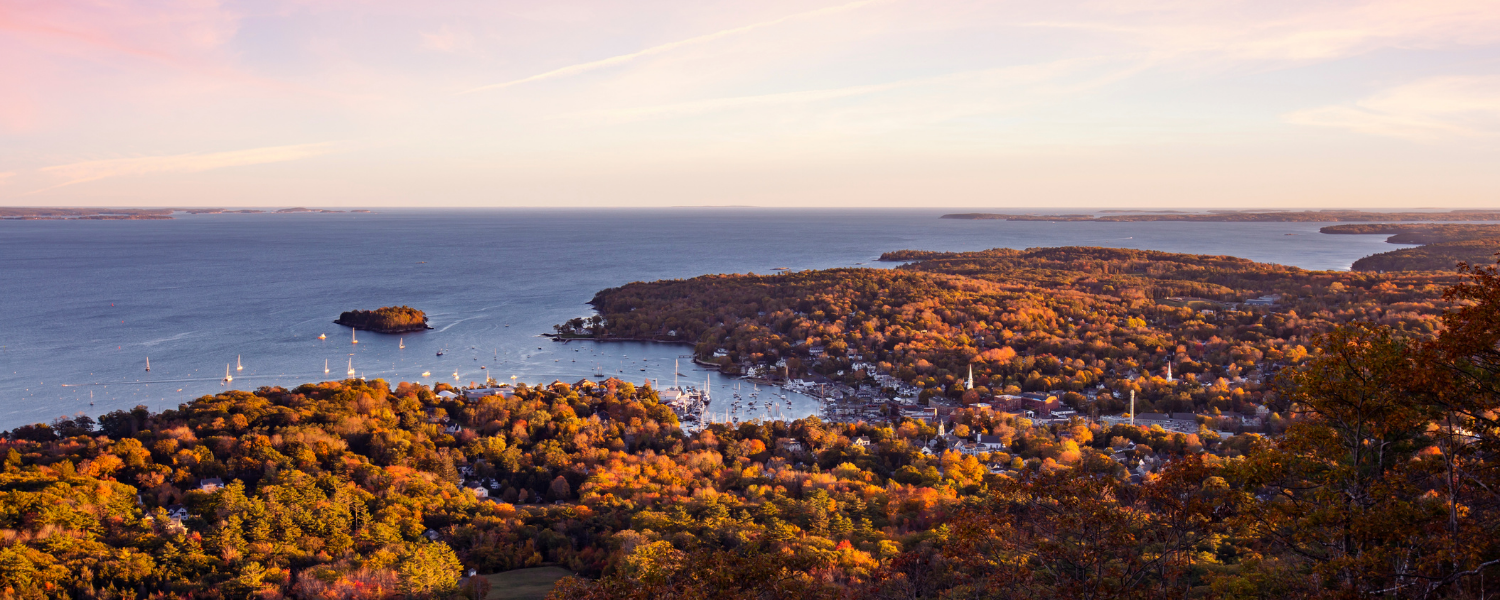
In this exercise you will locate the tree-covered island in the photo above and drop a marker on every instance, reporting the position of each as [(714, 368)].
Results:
[(389, 319)]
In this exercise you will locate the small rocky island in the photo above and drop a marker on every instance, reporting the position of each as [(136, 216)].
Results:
[(389, 319)]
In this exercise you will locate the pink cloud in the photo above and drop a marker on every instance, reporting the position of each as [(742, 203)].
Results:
[(1291, 31), (135, 53), (176, 33), (1427, 110), (94, 170)]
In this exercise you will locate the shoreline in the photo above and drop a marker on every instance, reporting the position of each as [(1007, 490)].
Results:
[(559, 338), (384, 331), (695, 360)]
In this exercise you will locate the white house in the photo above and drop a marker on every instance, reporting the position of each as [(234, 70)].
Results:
[(485, 392), (177, 512), (991, 443)]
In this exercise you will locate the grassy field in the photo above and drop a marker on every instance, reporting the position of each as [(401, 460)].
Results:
[(1193, 303), (524, 584)]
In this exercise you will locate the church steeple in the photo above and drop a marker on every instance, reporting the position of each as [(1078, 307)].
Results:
[(969, 385)]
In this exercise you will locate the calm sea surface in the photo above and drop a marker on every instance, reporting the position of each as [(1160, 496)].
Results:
[(85, 303)]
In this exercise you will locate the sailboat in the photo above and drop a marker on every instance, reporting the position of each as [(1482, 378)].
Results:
[(403, 344), (351, 366), (354, 335), (322, 336), (427, 373), (237, 365), (227, 377), (148, 364), (325, 366)]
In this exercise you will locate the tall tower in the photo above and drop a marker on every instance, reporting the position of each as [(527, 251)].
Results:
[(969, 385), (1169, 371)]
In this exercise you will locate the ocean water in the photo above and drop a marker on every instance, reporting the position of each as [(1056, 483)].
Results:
[(85, 303)]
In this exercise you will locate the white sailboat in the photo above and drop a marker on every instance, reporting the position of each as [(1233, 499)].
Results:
[(353, 335), (403, 344), (227, 377), (427, 373), (237, 365), (325, 366), (148, 364), (322, 336), (351, 366)]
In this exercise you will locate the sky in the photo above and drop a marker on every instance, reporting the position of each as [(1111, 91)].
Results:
[(1202, 104)]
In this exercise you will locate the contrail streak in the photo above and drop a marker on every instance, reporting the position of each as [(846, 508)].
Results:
[(625, 58)]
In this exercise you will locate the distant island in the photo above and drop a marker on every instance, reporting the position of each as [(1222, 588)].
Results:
[(314, 210), (1440, 246), (389, 319), (1268, 216), (23, 213), (221, 211), (910, 255)]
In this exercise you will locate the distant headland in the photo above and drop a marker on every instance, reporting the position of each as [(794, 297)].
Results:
[(1439, 246), (1258, 216), (22, 213), (84, 214), (389, 319)]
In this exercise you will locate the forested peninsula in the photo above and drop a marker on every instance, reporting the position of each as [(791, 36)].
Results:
[(1442, 246), (1045, 319), (1248, 216), (388, 319)]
